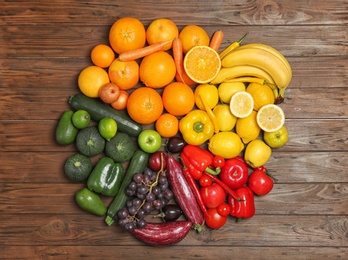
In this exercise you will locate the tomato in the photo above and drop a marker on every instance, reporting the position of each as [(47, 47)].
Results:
[(205, 181), (234, 173), (223, 209), (214, 219), (260, 183), (155, 161), (213, 195), (218, 161), (261, 168)]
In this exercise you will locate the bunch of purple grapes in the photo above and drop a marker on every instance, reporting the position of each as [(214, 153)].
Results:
[(149, 191)]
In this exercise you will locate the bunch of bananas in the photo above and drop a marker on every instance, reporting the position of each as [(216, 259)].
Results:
[(256, 62)]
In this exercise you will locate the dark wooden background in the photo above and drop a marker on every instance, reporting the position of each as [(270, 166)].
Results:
[(45, 44)]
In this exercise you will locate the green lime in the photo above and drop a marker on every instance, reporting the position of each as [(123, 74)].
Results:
[(81, 119), (107, 128)]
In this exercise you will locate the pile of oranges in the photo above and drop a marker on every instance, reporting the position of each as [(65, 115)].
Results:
[(149, 88)]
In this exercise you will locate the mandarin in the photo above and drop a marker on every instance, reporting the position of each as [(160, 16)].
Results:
[(167, 125), (125, 74), (193, 35), (102, 55), (162, 30)]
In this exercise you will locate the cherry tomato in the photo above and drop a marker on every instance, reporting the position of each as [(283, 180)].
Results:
[(155, 160), (260, 183), (218, 161), (213, 195), (223, 209), (205, 181), (261, 168), (214, 219)]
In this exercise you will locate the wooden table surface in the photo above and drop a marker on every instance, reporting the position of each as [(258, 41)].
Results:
[(45, 44)]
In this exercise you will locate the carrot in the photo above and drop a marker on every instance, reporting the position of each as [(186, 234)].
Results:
[(142, 52), (178, 56), (216, 40)]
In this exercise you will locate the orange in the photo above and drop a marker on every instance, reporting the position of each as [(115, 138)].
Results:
[(144, 105), (167, 125), (193, 35), (161, 30), (125, 74), (157, 70), (102, 55), (126, 34), (91, 79), (178, 98), (202, 64), (184, 78)]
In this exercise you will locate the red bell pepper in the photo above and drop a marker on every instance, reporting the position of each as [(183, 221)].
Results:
[(244, 206), (198, 160)]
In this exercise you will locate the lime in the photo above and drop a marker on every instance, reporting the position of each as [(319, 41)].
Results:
[(81, 119), (107, 128)]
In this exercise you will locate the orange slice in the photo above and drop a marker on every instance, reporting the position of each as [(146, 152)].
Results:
[(241, 104), (270, 118)]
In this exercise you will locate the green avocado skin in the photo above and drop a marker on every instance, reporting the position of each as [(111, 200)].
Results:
[(90, 201)]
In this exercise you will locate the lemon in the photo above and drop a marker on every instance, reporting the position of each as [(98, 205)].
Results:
[(209, 93), (81, 119), (227, 89), (247, 128), (225, 144), (241, 104), (257, 153), (262, 95), (276, 139), (270, 118), (226, 120), (91, 79), (107, 128)]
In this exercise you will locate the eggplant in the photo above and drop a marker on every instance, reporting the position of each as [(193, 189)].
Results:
[(170, 212), (175, 144)]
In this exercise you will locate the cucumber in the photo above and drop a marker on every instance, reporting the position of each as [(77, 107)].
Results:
[(138, 163), (99, 110), (66, 132)]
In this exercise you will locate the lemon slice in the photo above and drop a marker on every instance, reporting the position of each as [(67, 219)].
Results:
[(270, 118), (241, 104)]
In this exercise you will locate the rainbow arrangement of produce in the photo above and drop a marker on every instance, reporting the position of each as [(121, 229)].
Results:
[(182, 130)]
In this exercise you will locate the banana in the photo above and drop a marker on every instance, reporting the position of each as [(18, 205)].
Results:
[(261, 59)]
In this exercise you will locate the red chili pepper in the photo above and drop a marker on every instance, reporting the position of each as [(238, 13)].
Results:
[(244, 207), (195, 173), (224, 186)]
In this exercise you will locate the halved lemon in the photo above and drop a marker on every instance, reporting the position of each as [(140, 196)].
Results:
[(241, 104), (270, 118), (202, 64)]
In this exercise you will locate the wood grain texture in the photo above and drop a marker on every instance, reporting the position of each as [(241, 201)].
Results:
[(44, 46)]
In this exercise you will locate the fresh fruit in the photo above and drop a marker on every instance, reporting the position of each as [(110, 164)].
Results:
[(91, 79), (149, 141), (178, 99), (157, 70), (109, 93), (127, 33), (257, 153), (107, 128), (202, 64), (175, 144), (214, 219), (277, 138), (125, 74), (78, 167), (209, 93), (121, 102), (225, 119), (213, 195), (241, 104), (261, 94), (90, 201), (225, 144), (89, 142), (102, 55), (260, 182), (158, 161), (66, 131), (227, 89), (234, 173), (161, 30), (144, 105), (120, 148), (270, 118), (193, 35), (81, 119), (167, 125), (247, 128)]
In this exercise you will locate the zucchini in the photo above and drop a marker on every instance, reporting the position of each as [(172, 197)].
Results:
[(66, 132), (138, 163), (99, 110)]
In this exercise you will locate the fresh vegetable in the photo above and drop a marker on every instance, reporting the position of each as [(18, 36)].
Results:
[(215, 220), (106, 177), (90, 202), (178, 57), (223, 209), (183, 194), (234, 173), (260, 182), (231, 192), (175, 144), (232, 46), (78, 167), (121, 147), (137, 164), (66, 132), (163, 234), (98, 110), (205, 181), (216, 40), (218, 161), (158, 160), (121, 102), (170, 212), (89, 142), (213, 195), (196, 127), (243, 207), (211, 115), (109, 93)]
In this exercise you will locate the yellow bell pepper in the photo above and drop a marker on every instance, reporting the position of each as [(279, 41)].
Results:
[(196, 127)]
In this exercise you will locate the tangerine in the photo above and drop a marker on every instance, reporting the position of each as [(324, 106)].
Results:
[(125, 74), (102, 55), (161, 30), (167, 125), (193, 35)]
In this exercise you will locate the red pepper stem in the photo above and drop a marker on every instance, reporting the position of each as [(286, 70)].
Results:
[(224, 186), (212, 172)]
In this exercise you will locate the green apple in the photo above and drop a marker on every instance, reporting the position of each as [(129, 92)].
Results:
[(276, 139), (149, 141)]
